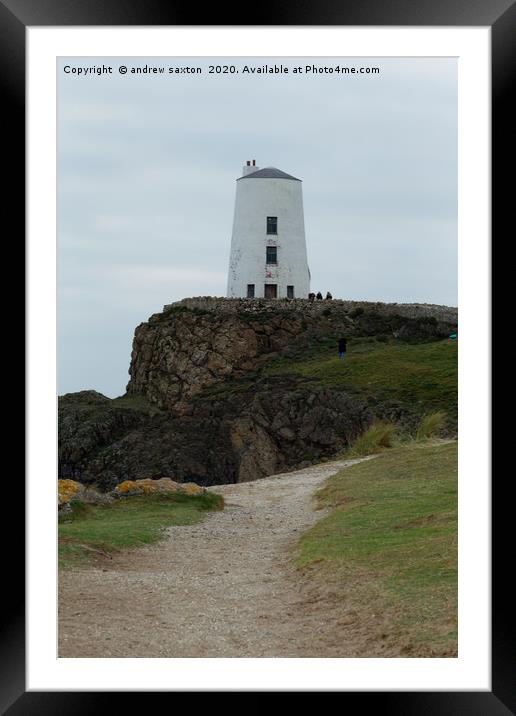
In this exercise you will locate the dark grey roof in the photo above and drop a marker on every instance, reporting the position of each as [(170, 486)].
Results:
[(268, 173)]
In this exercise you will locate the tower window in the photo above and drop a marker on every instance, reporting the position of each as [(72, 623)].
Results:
[(250, 290), (290, 291), (271, 255), (272, 224)]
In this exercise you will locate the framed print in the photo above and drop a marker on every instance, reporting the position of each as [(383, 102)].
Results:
[(351, 149)]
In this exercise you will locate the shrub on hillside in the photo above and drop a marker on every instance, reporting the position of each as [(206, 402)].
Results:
[(377, 437), (431, 425)]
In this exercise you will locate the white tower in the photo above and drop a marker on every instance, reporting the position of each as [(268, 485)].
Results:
[(268, 248)]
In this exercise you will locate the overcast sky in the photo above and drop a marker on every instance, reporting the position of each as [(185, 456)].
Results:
[(146, 184)]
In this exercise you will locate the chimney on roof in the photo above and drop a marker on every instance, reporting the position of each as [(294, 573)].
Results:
[(250, 167)]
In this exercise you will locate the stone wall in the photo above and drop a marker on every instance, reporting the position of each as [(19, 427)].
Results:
[(302, 305)]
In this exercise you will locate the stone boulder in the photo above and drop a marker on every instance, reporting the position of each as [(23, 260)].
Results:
[(67, 490), (148, 485)]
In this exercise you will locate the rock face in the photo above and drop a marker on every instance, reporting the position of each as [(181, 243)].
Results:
[(197, 343), (275, 425), (88, 423), (176, 354), (199, 408)]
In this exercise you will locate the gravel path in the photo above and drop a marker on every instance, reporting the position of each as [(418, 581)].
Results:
[(224, 587)]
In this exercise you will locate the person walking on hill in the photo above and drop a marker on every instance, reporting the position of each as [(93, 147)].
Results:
[(319, 296), (342, 347), (328, 296)]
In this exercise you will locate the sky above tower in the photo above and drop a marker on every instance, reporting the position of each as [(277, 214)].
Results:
[(147, 165)]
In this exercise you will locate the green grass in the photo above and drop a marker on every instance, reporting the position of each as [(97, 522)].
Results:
[(94, 531), (378, 436), (135, 402), (422, 375), (392, 534)]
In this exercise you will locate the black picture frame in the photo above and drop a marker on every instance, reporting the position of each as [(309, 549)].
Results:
[(500, 16)]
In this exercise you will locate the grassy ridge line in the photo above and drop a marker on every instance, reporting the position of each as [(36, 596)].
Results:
[(389, 546), (422, 374), (95, 531)]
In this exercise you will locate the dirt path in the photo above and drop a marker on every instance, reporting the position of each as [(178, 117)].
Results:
[(225, 587)]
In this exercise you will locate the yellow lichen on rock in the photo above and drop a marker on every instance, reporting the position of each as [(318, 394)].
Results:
[(164, 484), (126, 487), (67, 489), (190, 488)]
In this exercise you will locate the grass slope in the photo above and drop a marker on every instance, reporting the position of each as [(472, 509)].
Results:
[(422, 375), (95, 531), (390, 546)]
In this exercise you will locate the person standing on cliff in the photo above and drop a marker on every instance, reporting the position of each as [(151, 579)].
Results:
[(319, 296), (342, 347)]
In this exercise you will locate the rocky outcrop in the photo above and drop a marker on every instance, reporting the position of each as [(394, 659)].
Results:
[(88, 422), (276, 424), (198, 343), (146, 486), (176, 354), (200, 408), (69, 491)]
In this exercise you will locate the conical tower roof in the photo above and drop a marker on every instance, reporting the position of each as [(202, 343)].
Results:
[(268, 173)]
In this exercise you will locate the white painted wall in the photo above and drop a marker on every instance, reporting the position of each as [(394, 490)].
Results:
[(256, 199)]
